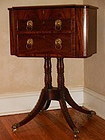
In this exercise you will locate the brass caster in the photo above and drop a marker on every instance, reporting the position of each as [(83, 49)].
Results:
[(75, 136), (76, 132), (93, 113), (14, 130)]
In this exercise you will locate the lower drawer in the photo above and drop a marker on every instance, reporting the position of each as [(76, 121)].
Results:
[(46, 45)]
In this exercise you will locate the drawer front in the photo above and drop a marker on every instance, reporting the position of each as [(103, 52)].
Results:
[(53, 26), (46, 20), (46, 45)]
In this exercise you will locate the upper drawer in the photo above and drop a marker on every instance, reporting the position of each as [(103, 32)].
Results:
[(46, 20), (58, 25)]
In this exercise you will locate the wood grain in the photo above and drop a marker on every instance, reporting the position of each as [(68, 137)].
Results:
[(50, 125)]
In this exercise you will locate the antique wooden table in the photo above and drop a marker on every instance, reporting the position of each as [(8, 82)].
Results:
[(62, 31)]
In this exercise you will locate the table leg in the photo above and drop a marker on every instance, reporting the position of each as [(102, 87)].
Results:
[(73, 104), (66, 114), (34, 112), (60, 71)]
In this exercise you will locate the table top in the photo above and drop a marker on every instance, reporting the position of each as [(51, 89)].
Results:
[(53, 6)]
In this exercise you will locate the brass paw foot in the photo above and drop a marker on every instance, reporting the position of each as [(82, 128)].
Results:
[(14, 127), (93, 113), (76, 132)]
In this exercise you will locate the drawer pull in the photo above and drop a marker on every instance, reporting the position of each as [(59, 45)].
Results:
[(29, 43), (58, 25), (58, 44), (29, 25)]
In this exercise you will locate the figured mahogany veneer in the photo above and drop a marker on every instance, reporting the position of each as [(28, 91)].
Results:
[(54, 31), (78, 31)]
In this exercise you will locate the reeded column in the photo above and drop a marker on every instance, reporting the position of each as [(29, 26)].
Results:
[(48, 77), (60, 71)]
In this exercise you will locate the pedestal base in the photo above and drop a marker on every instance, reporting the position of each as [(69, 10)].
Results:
[(59, 93)]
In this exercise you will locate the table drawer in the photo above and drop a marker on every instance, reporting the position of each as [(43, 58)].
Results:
[(67, 25), (52, 44), (46, 20)]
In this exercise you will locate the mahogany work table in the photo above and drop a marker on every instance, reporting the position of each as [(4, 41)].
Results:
[(62, 31)]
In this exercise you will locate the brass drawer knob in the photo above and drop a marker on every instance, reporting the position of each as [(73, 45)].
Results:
[(58, 44), (29, 25), (29, 43), (58, 25)]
